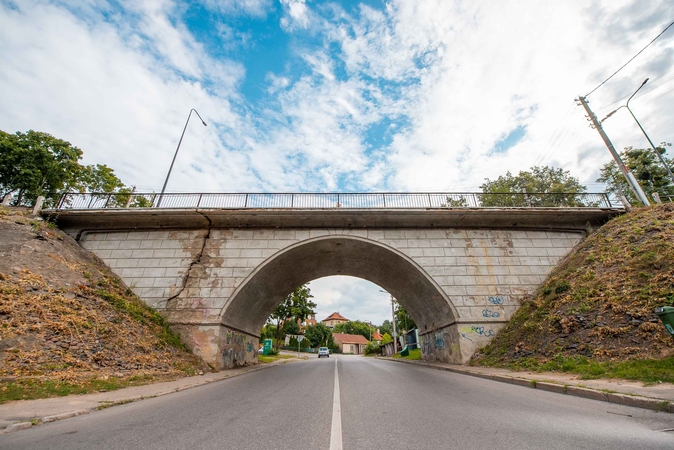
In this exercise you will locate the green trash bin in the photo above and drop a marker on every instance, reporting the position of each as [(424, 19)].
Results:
[(666, 315), (267, 346), (405, 352)]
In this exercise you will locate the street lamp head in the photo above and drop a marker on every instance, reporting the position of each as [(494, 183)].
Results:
[(204, 123), (645, 81)]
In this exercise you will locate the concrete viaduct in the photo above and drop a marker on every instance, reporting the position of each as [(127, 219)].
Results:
[(218, 272)]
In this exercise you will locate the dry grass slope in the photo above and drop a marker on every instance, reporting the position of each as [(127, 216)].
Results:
[(594, 313), (68, 324)]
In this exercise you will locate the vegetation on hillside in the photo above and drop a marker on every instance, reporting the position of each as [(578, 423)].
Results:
[(594, 315), (69, 325)]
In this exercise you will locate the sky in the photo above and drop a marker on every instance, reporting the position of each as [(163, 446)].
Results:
[(325, 96)]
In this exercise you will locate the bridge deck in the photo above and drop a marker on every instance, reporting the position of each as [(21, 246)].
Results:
[(153, 218)]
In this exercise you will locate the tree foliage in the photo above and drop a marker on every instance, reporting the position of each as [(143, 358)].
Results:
[(319, 335), (386, 338), (386, 327), (290, 326), (36, 163), (355, 327), (646, 168), (527, 186), (296, 305), (404, 321)]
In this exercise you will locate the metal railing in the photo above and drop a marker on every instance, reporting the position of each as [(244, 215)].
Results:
[(89, 201)]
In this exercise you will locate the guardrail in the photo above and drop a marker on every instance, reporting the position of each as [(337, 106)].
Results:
[(89, 201)]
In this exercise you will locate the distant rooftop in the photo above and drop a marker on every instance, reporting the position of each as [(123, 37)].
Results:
[(335, 316), (350, 338)]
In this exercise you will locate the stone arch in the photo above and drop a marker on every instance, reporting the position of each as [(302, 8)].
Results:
[(256, 297)]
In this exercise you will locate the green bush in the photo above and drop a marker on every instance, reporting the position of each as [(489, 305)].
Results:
[(373, 348)]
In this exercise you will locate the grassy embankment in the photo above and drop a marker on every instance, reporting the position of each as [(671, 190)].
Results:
[(594, 316)]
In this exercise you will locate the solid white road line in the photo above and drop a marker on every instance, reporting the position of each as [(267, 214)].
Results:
[(336, 431)]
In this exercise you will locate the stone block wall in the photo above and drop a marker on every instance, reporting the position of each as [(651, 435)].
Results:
[(192, 273)]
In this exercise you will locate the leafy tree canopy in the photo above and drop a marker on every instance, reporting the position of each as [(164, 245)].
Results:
[(404, 321), (296, 305), (355, 327), (386, 328), (36, 163), (538, 180), (646, 168), (319, 335)]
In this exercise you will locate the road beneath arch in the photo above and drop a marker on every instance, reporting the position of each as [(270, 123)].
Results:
[(382, 404)]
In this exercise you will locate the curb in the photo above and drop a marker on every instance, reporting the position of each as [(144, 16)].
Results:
[(104, 405), (653, 404)]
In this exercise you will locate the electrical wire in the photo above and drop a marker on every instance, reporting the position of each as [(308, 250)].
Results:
[(631, 59)]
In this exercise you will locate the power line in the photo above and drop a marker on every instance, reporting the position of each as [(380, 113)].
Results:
[(623, 66), (648, 90)]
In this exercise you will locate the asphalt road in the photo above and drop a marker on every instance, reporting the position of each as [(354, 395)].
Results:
[(381, 405)]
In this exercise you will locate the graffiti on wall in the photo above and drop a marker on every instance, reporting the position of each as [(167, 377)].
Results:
[(467, 332), (238, 350), (495, 300), (490, 313)]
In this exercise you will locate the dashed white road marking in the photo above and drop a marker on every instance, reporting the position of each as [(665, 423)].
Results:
[(336, 431)]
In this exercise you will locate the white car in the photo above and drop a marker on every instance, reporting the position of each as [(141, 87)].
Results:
[(323, 351)]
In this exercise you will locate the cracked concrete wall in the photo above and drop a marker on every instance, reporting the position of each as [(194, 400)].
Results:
[(473, 280)]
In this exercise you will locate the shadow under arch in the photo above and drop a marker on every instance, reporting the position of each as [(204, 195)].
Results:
[(258, 295)]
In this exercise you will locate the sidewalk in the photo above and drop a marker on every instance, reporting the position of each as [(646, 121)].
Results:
[(22, 414), (659, 397)]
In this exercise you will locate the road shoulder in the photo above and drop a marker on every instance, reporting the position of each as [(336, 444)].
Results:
[(658, 397)]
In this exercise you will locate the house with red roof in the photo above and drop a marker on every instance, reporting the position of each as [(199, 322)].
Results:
[(334, 319), (350, 343)]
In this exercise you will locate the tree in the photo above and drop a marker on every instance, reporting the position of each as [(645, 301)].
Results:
[(646, 168), (404, 321), (300, 306), (386, 338), (527, 186), (36, 163), (319, 335), (296, 305), (386, 327), (355, 327), (290, 327)]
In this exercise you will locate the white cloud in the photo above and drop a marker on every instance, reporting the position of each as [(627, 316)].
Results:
[(255, 8), (297, 15), (354, 298)]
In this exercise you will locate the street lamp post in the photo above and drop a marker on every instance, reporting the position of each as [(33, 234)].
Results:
[(161, 196), (627, 105)]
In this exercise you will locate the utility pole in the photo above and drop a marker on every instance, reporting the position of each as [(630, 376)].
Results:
[(631, 181)]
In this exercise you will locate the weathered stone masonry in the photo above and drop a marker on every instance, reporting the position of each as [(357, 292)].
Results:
[(480, 276)]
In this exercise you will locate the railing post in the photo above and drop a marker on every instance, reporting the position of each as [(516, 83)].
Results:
[(199, 201), (430, 204), (245, 202), (61, 200), (131, 197), (338, 203), (107, 201), (292, 201), (90, 201), (383, 196)]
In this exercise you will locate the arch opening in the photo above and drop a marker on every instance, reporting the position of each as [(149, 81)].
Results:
[(251, 304)]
